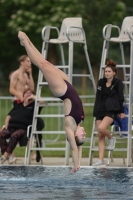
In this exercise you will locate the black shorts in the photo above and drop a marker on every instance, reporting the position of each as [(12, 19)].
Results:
[(109, 114)]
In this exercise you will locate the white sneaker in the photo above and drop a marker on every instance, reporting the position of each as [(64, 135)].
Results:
[(2, 159), (111, 144), (12, 160), (98, 163)]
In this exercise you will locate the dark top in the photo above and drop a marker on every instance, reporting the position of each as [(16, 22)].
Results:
[(77, 111), (109, 99), (21, 117), (102, 109)]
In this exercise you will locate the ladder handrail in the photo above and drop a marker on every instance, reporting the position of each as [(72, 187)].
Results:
[(105, 29), (129, 33), (45, 29)]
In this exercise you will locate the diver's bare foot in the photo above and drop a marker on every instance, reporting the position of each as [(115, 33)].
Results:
[(22, 37)]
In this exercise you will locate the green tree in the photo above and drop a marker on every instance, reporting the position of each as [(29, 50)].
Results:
[(32, 15)]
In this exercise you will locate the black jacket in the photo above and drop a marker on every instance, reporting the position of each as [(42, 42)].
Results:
[(22, 116), (114, 102)]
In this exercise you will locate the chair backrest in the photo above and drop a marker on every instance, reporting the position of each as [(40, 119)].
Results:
[(127, 22), (74, 33)]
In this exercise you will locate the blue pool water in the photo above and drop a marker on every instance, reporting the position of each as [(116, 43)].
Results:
[(56, 183)]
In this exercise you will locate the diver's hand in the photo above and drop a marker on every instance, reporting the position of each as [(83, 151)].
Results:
[(74, 169)]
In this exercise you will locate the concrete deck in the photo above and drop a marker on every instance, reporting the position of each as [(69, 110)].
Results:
[(60, 161)]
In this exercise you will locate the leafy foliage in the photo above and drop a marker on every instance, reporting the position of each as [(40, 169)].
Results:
[(32, 15)]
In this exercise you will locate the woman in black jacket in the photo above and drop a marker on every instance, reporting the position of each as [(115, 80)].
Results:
[(108, 103), (16, 123)]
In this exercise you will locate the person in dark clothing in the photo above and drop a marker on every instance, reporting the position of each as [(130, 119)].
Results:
[(61, 87), (23, 141), (20, 80), (108, 103), (16, 123)]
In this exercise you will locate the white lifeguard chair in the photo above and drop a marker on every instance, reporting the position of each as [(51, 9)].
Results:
[(125, 34), (71, 32)]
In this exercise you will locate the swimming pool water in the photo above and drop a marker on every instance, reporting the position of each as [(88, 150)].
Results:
[(56, 183)]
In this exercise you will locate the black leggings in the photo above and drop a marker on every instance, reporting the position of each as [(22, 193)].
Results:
[(14, 136)]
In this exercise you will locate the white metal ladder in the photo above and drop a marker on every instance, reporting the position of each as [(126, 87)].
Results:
[(125, 35), (71, 32)]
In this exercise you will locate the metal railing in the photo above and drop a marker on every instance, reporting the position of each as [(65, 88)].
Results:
[(50, 122)]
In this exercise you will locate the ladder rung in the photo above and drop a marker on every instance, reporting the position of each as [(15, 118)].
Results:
[(48, 115), (120, 66), (43, 83), (48, 149), (115, 132), (88, 104), (94, 149), (49, 99), (116, 149), (119, 132), (123, 66), (95, 133), (120, 149), (81, 75), (126, 82), (50, 104), (62, 67), (48, 132)]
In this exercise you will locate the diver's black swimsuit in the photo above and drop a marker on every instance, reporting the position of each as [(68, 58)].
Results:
[(77, 109)]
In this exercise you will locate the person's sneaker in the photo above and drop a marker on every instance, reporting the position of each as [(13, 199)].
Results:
[(99, 163), (111, 144), (11, 160), (2, 159)]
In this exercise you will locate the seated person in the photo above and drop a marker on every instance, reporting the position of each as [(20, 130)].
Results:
[(24, 140), (16, 123)]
